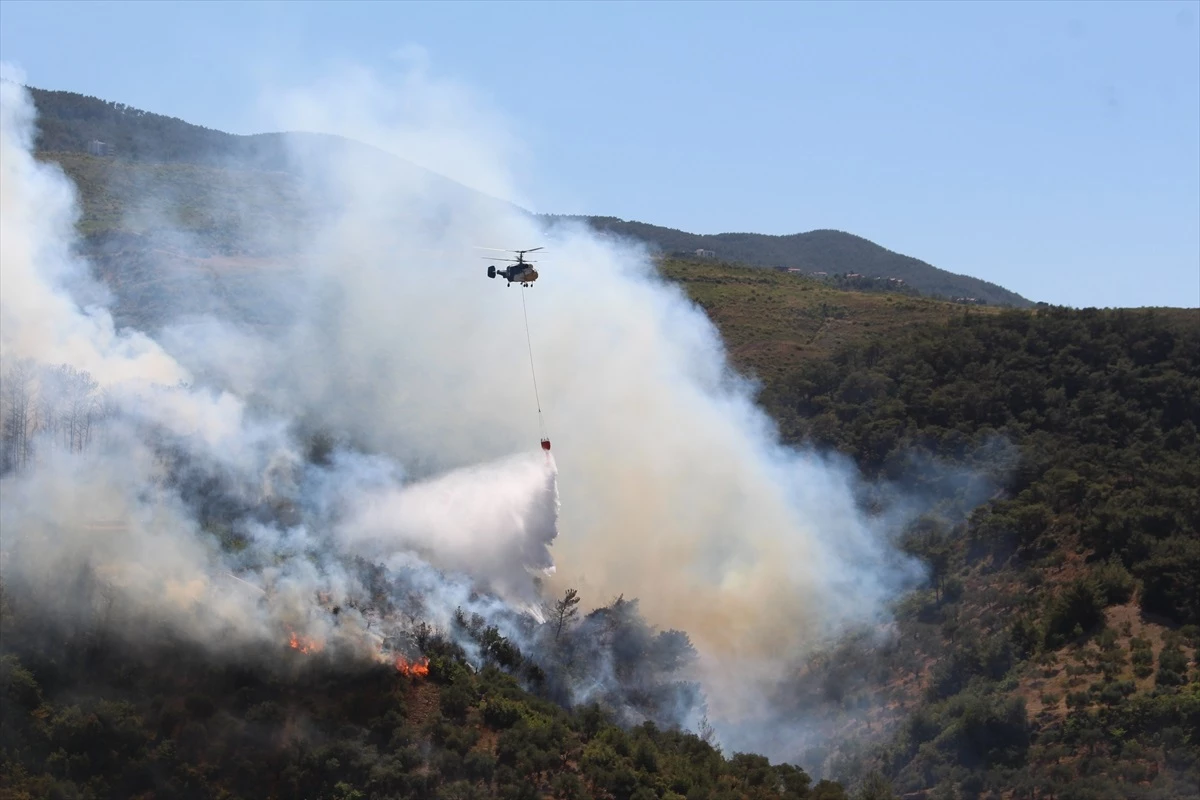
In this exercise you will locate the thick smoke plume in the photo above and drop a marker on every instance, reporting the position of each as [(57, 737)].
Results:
[(411, 369), (118, 465)]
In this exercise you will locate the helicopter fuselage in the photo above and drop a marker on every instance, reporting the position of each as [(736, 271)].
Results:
[(515, 274)]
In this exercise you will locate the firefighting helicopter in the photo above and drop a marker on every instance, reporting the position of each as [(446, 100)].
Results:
[(520, 271)]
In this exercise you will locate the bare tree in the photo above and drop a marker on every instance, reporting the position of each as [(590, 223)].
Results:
[(80, 403), (50, 403), (71, 406), (19, 415), (104, 408), (564, 611)]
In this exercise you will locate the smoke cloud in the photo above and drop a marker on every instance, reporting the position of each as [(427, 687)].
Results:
[(671, 485)]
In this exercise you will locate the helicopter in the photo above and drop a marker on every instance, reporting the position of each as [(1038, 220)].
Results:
[(520, 271)]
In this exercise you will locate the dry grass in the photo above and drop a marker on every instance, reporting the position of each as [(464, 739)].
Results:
[(424, 702), (773, 321)]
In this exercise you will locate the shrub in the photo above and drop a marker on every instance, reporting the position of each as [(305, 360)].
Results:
[(1076, 610), (455, 701), (1114, 583), (500, 713)]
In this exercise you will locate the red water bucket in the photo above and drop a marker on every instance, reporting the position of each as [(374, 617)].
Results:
[(545, 444)]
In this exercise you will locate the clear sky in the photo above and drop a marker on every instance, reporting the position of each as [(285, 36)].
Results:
[(1053, 148)]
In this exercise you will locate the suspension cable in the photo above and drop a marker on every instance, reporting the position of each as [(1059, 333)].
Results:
[(532, 371)]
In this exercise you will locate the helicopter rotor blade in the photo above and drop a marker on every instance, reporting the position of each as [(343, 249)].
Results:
[(503, 250)]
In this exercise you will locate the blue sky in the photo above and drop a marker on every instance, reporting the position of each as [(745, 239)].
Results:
[(1053, 148)]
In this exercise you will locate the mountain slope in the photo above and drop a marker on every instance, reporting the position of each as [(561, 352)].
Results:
[(833, 252), (85, 715), (774, 322), (1056, 648), (69, 121)]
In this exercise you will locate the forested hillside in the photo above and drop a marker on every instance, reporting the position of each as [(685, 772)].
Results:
[(85, 716), (67, 122), (831, 252), (1055, 652), (774, 322)]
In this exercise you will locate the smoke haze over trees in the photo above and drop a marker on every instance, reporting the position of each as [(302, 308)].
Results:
[(354, 480), (268, 476)]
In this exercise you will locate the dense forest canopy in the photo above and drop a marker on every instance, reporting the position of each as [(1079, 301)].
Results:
[(1104, 406), (1057, 642)]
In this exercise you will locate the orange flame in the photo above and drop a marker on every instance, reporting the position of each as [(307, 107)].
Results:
[(413, 669), (305, 644)]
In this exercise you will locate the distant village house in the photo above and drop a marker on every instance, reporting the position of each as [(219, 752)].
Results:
[(705, 254), (98, 148)]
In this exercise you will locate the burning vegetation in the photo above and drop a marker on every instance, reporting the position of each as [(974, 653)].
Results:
[(305, 644), (417, 668), (570, 704), (237, 724)]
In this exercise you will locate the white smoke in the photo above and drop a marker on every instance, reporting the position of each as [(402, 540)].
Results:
[(674, 488), (112, 505), (493, 521), (43, 281)]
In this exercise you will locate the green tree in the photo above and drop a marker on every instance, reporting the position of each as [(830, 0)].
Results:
[(875, 786)]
